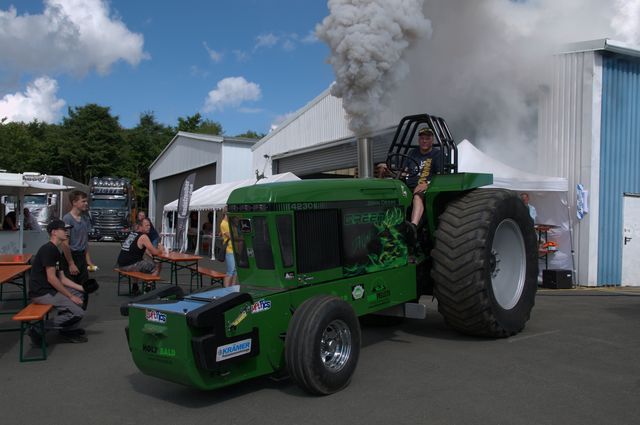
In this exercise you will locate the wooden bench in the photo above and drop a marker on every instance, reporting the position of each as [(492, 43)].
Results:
[(136, 276), (215, 276), (33, 316)]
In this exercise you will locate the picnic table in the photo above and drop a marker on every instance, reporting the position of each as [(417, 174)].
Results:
[(14, 274), (178, 261)]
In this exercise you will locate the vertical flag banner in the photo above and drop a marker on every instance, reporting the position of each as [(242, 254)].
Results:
[(183, 211)]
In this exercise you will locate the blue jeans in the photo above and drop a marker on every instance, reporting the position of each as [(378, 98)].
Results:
[(231, 263)]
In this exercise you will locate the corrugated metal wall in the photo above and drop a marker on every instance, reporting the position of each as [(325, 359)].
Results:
[(619, 156), (335, 156), (235, 162), (321, 121), (567, 133), (185, 154)]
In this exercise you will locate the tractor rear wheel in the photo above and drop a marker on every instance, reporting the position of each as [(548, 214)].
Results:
[(485, 263), (322, 345)]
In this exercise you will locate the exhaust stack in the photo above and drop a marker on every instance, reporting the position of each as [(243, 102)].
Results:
[(365, 157)]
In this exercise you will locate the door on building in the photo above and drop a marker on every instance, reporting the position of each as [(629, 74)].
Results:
[(631, 240)]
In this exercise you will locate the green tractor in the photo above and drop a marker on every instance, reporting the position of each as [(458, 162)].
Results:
[(314, 256)]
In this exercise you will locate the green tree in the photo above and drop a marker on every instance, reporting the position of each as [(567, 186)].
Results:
[(210, 127), (30, 147), (190, 123), (195, 124), (144, 143), (250, 134), (93, 143)]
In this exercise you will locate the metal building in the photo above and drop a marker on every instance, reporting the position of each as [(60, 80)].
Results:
[(215, 159), (589, 132), (317, 140)]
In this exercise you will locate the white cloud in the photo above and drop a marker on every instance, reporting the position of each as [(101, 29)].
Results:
[(72, 36), (311, 37), (280, 119), (288, 45), (241, 55), (196, 71), (215, 56), (39, 102), (286, 41), (231, 91), (266, 40)]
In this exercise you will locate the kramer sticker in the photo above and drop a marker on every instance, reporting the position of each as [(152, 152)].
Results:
[(235, 349), (260, 306), (156, 316), (357, 292)]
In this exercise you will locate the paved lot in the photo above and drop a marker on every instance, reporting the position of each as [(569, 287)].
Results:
[(575, 363)]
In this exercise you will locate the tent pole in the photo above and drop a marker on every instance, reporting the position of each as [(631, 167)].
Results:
[(20, 221), (173, 230), (573, 252), (197, 250), (213, 232)]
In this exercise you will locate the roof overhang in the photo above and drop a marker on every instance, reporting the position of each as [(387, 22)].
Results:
[(603, 44), (203, 138)]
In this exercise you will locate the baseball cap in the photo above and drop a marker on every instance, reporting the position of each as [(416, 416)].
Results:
[(57, 224), (425, 131)]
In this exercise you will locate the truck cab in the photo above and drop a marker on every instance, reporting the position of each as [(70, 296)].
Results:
[(111, 207)]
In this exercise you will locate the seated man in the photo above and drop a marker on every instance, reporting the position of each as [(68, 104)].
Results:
[(154, 236), (131, 257), (48, 285), (426, 161)]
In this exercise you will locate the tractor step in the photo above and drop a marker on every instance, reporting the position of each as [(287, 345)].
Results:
[(408, 310)]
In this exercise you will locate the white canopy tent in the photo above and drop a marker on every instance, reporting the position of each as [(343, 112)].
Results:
[(17, 185), (473, 160), (214, 197), (549, 195)]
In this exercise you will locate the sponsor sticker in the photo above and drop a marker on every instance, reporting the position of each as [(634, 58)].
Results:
[(160, 351), (235, 349), (260, 306), (379, 295), (289, 276), (357, 292), (156, 316)]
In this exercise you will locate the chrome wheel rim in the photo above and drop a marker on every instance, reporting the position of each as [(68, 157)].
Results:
[(335, 345), (508, 264)]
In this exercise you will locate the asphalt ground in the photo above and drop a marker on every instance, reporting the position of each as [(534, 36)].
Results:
[(575, 363)]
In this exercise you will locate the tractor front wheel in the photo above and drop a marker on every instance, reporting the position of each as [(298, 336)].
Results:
[(323, 345)]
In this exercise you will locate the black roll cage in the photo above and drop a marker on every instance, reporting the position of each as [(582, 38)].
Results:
[(405, 134)]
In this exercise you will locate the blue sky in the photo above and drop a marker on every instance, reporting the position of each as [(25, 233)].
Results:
[(243, 63)]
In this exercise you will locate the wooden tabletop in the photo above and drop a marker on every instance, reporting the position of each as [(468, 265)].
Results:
[(9, 259), (545, 227), (8, 273), (178, 256)]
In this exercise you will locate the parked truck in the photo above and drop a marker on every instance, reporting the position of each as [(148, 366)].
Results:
[(112, 206), (46, 206), (314, 256)]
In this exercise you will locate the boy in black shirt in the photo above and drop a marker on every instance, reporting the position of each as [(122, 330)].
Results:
[(48, 285)]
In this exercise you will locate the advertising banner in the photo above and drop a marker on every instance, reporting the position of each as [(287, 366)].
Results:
[(183, 211)]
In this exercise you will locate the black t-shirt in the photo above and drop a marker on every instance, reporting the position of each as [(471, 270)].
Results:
[(429, 164), (47, 256), (130, 253)]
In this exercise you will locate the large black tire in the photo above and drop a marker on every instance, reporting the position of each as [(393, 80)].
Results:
[(485, 263), (323, 345)]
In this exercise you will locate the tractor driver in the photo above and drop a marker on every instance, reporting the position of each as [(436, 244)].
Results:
[(426, 162)]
